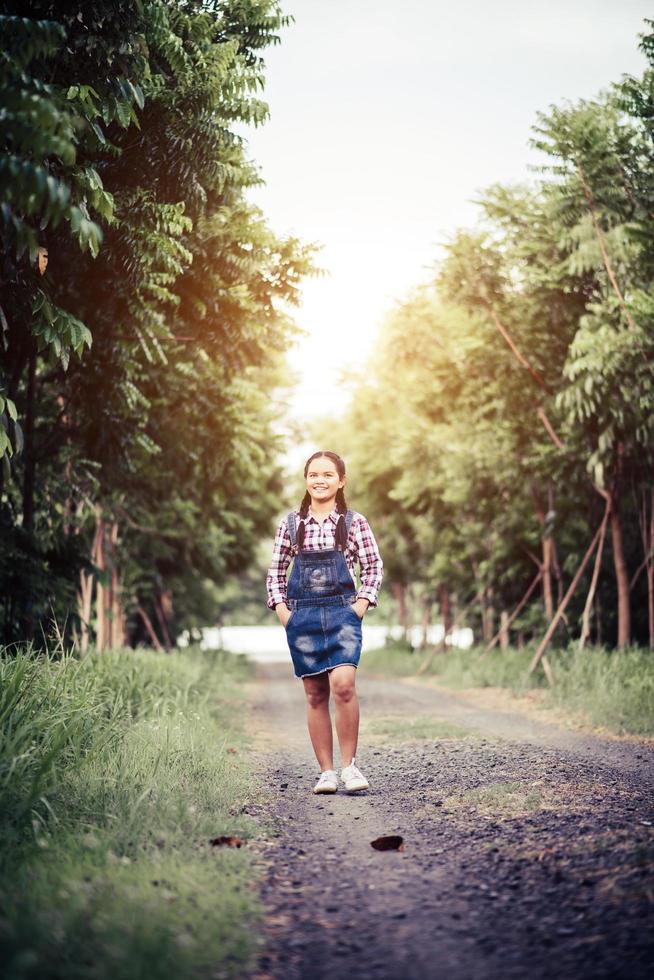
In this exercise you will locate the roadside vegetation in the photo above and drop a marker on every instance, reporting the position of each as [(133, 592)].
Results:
[(500, 433), (144, 316), (116, 773), (607, 688)]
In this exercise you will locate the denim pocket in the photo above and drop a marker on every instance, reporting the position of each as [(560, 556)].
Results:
[(319, 578)]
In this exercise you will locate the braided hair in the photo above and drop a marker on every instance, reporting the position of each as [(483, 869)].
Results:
[(341, 505)]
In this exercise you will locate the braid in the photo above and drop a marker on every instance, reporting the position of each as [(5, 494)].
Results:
[(341, 529), (304, 510), (304, 506)]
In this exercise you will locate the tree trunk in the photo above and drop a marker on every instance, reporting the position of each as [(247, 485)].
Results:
[(547, 548), (116, 623), (556, 568), (517, 353), (646, 520), (504, 629), (426, 620), (437, 647), (398, 590), (566, 599), (100, 591), (486, 610), (489, 616), (84, 602), (621, 574), (518, 609), (548, 599), (161, 604), (85, 597), (480, 593), (445, 603), (150, 629), (585, 622)]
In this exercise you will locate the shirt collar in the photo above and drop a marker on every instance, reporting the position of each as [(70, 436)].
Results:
[(333, 517)]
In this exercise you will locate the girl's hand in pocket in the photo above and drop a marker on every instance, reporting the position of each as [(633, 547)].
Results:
[(360, 607), (283, 613)]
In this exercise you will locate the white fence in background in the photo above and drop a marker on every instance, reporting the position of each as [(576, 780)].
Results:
[(267, 644)]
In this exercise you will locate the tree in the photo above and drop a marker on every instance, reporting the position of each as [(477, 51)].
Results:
[(138, 453)]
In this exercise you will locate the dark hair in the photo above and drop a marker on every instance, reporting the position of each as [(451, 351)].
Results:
[(341, 505)]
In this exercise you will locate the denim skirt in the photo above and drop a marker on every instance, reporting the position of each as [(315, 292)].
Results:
[(323, 634)]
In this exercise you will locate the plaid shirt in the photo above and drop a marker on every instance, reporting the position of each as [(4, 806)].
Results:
[(361, 547)]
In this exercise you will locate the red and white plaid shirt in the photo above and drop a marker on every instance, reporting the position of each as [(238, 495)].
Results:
[(361, 547)]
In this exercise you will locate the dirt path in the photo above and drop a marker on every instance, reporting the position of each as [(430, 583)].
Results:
[(529, 850)]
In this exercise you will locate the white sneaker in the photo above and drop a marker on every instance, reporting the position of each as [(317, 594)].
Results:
[(354, 779), (327, 783)]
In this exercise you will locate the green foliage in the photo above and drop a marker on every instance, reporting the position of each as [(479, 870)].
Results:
[(608, 689), (115, 773), (509, 393), (600, 156), (152, 366)]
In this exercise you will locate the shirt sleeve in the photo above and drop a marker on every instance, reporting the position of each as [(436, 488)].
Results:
[(281, 557), (370, 561)]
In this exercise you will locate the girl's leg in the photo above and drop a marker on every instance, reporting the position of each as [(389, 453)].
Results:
[(319, 720), (342, 682)]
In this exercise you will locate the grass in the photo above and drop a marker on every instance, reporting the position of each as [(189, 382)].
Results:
[(115, 773), (510, 799), (394, 659), (610, 689), (419, 728)]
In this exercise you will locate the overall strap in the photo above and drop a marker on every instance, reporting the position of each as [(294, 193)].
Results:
[(292, 528), (349, 517)]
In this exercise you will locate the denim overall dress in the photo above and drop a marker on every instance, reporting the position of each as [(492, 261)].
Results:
[(323, 630)]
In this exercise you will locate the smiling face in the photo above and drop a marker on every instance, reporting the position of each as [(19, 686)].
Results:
[(323, 481)]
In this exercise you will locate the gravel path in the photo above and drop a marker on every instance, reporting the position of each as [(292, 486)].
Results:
[(529, 850)]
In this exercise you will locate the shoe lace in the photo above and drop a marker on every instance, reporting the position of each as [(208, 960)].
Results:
[(326, 776)]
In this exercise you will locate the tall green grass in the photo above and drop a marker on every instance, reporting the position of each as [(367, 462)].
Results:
[(115, 773), (613, 689)]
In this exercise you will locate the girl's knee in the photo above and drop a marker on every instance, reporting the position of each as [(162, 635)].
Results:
[(317, 692), (343, 689)]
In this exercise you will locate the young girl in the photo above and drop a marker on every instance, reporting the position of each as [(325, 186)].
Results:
[(321, 609)]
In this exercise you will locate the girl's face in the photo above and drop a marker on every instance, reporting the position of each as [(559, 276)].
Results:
[(323, 480)]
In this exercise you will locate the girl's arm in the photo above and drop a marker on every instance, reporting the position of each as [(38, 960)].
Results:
[(281, 556), (370, 561)]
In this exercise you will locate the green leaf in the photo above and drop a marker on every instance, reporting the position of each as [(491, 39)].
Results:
[(5, 444), (19, 441), (97, 129)]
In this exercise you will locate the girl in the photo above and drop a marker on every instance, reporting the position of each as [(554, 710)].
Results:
[(321, 609)]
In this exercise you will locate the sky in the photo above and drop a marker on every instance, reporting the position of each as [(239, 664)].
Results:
[(387, 119)]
